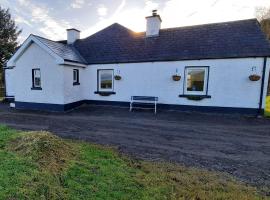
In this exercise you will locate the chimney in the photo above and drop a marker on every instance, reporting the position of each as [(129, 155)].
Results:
[(72, 35), (153, 24)]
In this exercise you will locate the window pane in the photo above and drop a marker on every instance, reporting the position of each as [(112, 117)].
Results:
[(37, 78), (195, 80), (106, 79), (37, 73), (37, 82), (75, 75)]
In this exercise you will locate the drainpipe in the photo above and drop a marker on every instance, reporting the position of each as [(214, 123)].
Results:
[(260, 112)]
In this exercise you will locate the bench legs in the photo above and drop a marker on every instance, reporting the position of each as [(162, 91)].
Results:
[(131, 106)]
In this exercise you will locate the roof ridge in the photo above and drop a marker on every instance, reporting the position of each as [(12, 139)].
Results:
[(47, 39), (206, 24), (116, 23)]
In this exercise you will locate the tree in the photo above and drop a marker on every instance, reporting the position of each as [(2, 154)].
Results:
[(8, 40), (263, 15)]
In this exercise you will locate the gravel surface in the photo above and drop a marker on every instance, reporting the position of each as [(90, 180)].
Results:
[(237, 145)]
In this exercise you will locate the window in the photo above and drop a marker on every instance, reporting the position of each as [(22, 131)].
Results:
[(36, 78), (76, 77), (105, 80), (196, 80)]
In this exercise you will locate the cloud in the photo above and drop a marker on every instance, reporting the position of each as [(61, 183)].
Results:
[(174, 13), (77, 4), (102, 10), (151, 5), (191, 12), (41, 18), (20, 20), (105, 22)]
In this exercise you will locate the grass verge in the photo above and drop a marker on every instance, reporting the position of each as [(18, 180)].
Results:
[(38, 165), (267, 107)]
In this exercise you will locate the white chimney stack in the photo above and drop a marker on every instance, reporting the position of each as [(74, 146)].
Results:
[(153, 24), (72, 35)]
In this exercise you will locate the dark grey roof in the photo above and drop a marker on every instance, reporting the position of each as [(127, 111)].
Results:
[(67, 52), (117, 44)]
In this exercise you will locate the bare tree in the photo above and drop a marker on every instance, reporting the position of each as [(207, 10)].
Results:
[(263, 15)]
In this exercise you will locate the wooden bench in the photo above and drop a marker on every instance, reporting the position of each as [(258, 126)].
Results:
[(143, 100)]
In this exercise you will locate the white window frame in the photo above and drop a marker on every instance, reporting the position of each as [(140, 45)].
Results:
[(100, 71), (76, 73), (205, 85), (35, 76)]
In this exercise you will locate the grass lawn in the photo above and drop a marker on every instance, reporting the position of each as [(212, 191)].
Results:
[(38, 165)]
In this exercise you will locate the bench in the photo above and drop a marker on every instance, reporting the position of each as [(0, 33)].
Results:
[(143, 100)]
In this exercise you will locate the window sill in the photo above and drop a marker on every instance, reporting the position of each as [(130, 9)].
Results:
[(101, 93), (76, 83), (195, 97), (36, 88)]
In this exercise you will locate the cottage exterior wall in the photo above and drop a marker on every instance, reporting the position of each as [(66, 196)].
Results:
[(229, 85), (9, 82), (73, 93), (52, 77)]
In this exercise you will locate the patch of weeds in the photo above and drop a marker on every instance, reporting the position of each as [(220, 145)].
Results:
[(170, 181), (49, 151)]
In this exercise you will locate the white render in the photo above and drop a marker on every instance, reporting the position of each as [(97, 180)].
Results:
[(72, 35), (10, 83), (228, 86), (153, 25), (52, 77)]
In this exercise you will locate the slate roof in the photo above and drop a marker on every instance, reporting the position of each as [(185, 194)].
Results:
[(67, 52), (117, 44)]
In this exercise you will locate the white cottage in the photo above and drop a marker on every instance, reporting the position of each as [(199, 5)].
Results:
[(222, 67)]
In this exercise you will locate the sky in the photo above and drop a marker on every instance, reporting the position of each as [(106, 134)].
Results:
[(51, 18)]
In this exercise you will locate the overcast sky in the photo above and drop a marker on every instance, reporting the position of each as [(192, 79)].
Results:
[(51, 18)]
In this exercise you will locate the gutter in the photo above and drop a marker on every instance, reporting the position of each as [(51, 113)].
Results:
[(260, 111), (66, 62)]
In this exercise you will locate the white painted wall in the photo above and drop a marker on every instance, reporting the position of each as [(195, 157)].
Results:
[(10, 80), (229, 84), (72, 93), (52, 77)]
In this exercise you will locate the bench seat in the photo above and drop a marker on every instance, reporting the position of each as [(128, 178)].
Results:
[(144, 100)]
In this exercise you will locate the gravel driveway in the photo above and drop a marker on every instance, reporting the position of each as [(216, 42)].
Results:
[(233, 144)]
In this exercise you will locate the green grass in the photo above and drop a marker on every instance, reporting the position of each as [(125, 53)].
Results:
[(38, 165)]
